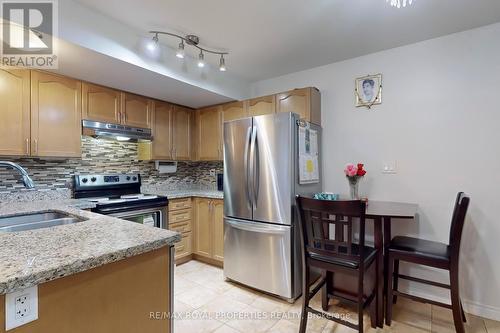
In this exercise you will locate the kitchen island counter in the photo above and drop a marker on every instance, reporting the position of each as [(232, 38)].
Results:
[(28, 258)]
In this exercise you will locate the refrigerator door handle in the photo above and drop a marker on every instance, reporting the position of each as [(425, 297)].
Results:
[(252, 158), (258, 227), (246, 167), (256, 172)]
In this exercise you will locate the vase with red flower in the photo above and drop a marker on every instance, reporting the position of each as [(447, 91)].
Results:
[(354, 173)]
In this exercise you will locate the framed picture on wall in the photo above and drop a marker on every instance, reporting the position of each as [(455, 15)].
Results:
[(368, 91)]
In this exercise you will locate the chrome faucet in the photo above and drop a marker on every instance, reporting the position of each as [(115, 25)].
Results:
[(27, 181)]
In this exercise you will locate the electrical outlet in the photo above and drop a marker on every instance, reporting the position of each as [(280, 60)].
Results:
[(212, 172), (21, 307)]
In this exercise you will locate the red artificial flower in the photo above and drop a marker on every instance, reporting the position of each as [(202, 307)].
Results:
[(361, 172)]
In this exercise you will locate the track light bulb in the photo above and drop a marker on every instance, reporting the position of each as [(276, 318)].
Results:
[(222, 64), (180, 51), (152, 45), (201, 60)]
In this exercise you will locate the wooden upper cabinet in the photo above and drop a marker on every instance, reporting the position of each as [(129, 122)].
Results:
[(262, 106), (162, 131), (306, 102), (136, 110), (56, 107), (218, 229), (234, 110), (181, 133), (100, 103), (14, 112), (202, 227), (209, 134)]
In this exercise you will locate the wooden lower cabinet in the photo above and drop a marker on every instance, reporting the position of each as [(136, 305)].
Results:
[(218, 230), (180, 220), (184, 249), (117, 297), (202, 227), (176, 204), (208, 229)]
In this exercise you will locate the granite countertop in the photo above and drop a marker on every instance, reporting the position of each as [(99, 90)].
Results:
[(32, 257), (176, 194)]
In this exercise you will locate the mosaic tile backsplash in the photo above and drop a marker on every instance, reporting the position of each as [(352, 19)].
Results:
[(105, 156)]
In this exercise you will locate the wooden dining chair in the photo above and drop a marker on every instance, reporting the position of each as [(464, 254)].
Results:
[(335, 254), (433, 254)]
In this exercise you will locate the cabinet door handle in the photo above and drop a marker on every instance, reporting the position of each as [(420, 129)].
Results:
[(36, 146), (27, 146)]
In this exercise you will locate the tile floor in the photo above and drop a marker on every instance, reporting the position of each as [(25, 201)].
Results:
[(205, 303)]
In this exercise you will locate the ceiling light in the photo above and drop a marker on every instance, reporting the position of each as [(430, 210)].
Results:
[(400, 3), (190, 40), (201, 60), (180, 51), (222, 64)]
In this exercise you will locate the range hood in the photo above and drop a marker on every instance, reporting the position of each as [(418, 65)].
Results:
[(114, 131)]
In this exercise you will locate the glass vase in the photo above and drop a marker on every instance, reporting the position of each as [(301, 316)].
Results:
[(354, 188)]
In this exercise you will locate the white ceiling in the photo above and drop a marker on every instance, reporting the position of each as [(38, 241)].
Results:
[(85, 64), (269, 38)]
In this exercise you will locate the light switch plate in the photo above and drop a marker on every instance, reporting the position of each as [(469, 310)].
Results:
[(389, 167), (21, 307)]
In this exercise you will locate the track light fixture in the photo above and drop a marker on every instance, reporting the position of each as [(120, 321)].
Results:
[(153, 45), (193, 41), (400, 3), (201, 60), (222, 64), (180, 51)]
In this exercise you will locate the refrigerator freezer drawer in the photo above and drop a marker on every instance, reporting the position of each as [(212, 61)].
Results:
[(259, 255)]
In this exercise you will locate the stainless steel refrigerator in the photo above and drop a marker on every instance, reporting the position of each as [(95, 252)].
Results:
[(261, 180)]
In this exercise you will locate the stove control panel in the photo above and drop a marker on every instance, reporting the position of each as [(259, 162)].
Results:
[(89, 181)]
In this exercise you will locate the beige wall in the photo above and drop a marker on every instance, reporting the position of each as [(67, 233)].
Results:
[(440, 120)]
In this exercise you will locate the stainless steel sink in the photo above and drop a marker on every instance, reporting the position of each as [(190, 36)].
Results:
[(36, 221)]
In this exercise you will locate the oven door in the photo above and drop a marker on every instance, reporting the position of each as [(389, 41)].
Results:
[(153, 217)]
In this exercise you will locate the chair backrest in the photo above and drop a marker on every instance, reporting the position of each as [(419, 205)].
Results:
[(316, 217), (457, 221)]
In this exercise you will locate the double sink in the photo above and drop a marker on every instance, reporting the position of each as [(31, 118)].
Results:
[(36, 221)]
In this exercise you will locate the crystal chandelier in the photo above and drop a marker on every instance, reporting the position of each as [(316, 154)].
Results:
[(399, 3)]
